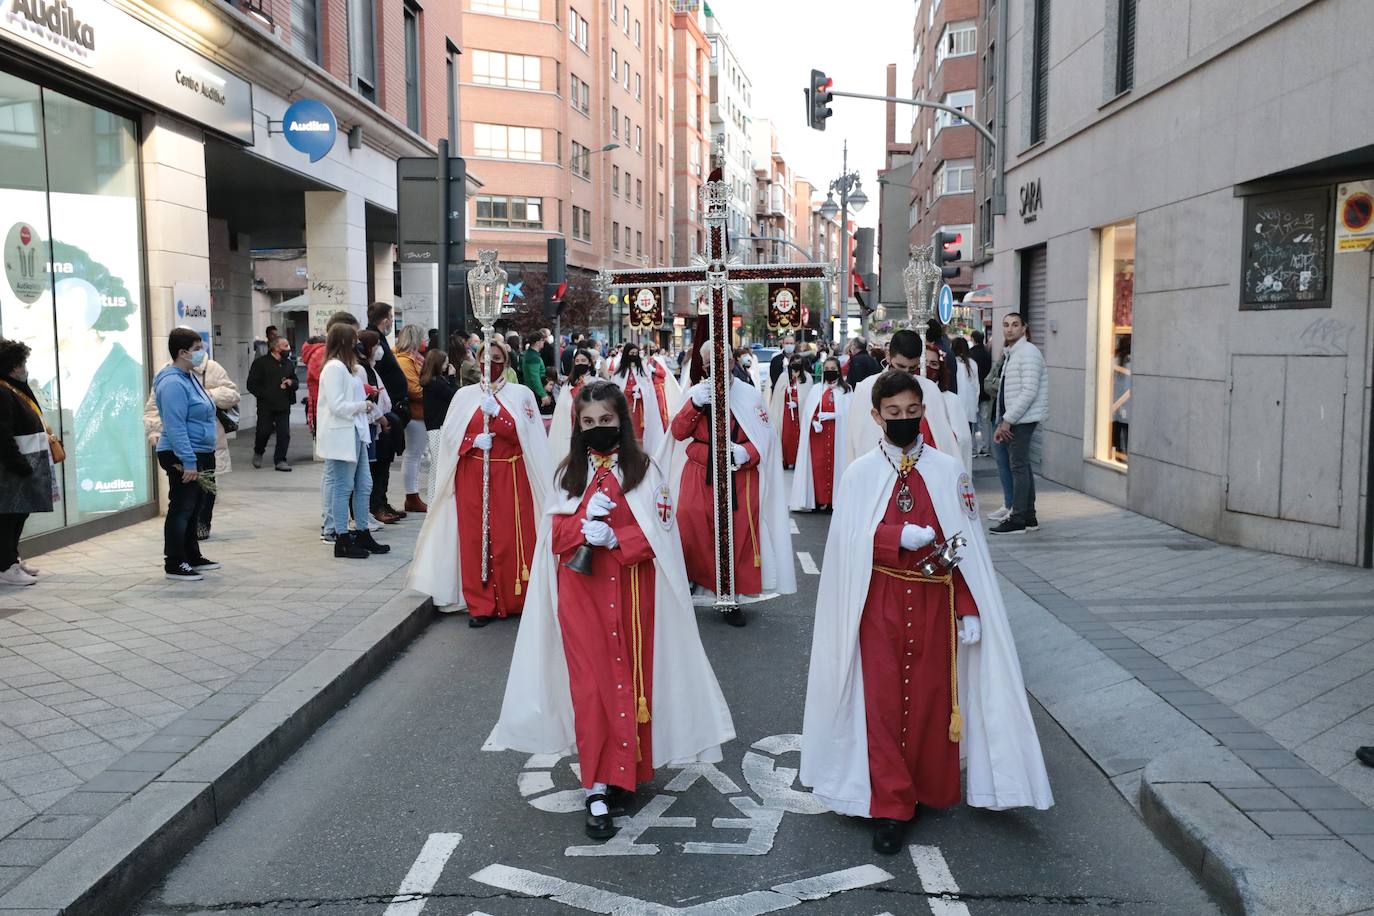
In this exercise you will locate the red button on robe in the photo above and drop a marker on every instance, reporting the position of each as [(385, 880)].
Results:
[(791, 427), (823, 452), (603, 637), (512, 532), (696, 517), (904, 647)]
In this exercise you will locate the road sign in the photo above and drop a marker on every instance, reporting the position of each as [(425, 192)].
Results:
[(1355, 212), (946, 307), (420, 200)]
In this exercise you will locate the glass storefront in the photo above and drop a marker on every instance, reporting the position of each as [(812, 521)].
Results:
[(73, 290), (1116, 306)]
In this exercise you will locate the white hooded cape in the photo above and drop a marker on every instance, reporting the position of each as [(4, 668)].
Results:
[(654, 433), (803, 487), (690, 719), (560, 426), (1005, 766), (777, 401), (435, 570), (671, 389), (779, 574), (863, 432)]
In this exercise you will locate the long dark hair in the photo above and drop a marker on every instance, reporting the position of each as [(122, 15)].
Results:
[(960, 349), (841, 383), (634, 464)]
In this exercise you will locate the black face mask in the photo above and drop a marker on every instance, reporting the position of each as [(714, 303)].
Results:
[(579, 371), (902, 433), (601, 438), (632, 361), (831, 375)]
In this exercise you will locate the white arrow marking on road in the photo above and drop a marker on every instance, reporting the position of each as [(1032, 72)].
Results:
[(754, 903), (808, 565), (423, 875), (793, 523), (936, 879)]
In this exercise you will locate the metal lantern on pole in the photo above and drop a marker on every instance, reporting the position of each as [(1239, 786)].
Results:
[(486, 289), (917, 278)]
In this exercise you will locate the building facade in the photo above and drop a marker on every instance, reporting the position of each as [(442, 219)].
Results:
[(1178, 234), (691, 138), (774, 189), (731, 130)]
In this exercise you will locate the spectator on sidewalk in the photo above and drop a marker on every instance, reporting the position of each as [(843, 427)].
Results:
[(272, 381), (993, 385), (534, 372), (27, 471), (381, 319), (966, 379), (342, 441), (1025, 401), (185, 450), (439, 386), (861, 365), (222, 390), (383, 428), (462, 363), (408, 343), (983, 359)]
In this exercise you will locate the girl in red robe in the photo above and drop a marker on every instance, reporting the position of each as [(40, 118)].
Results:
[(823, 440), (791, 414), (606, 615), (629, 375)]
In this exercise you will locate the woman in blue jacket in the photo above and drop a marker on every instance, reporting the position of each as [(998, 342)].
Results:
[(185, 450)]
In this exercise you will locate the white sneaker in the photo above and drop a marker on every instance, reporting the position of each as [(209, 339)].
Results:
[(373, 524), (31, 570), (1001, 515), (16, 576)]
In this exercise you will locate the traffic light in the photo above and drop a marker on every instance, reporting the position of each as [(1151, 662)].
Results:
[(556, 282), (818, 100), (947, 252)]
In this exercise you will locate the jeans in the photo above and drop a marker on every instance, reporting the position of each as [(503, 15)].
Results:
[(417, 446), (11, 528), (179, 543), (345, 480), (1022, 477), (984, 426), (270, 421), (999, 454)]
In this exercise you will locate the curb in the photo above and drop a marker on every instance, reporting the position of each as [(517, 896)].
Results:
[(114, 863)]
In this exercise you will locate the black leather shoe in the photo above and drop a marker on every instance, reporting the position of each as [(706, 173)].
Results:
[(478, 621), (619, 800), (365, 540), (888, 835), (599, 826), (734, 617), (1365, 755)]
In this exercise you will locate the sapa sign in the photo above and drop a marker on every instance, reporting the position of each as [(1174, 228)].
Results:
[(54, 24), (310, 127)]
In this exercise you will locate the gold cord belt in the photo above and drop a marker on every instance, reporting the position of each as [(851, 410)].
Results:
[(956, 719), (524, 574), (637, 645), (753, 535)]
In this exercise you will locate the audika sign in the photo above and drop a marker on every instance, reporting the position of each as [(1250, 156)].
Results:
[(310, 127)]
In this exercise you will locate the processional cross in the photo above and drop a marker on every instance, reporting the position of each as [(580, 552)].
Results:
[(723, 275)]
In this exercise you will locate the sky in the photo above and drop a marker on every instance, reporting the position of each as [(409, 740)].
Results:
[(780, 41)]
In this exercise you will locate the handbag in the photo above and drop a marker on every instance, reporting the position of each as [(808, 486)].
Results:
[(59, 454), (229, 419)]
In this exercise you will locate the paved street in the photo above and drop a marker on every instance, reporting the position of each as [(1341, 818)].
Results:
[(386, 788)]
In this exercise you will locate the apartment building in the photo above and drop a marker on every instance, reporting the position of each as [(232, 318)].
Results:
[(945, 69), (691, 146), (775, 209), (731, 130)]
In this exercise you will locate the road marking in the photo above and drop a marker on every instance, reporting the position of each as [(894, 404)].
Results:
[(808, 565), (753, 903), (793, 523), (936, 879), (423, 875)]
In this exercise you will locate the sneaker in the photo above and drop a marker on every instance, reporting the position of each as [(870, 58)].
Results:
[(282, 466), (257, 460), (374, 524), (1032, 525), (31, 570), (1008, 527), (204, 564), (16, 576), (1001, 515), (326, 537), (183, 573)]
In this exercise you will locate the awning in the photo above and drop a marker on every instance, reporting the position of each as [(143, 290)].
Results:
[(299, 303)]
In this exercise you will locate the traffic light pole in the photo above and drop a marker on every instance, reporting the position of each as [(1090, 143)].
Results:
[(442, 170), (922, 103)]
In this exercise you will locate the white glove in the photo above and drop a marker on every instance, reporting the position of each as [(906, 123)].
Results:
[(489, 405), (639, 393), (970, 630), (483, 441), (740, 454), (914, 537), (599, 534), (701, 394), (816, 425), (825, 416), (599, 506), (791, 405)]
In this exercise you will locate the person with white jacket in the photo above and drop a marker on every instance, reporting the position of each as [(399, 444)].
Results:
[(1023, 402), (341, 439)]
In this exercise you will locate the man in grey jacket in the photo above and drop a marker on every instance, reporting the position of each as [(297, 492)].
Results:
[(1023, 402)]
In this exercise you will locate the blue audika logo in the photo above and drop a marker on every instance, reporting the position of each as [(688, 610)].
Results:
[(310, 127)]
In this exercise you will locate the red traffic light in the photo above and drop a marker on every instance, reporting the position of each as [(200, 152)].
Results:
[(560, 292)]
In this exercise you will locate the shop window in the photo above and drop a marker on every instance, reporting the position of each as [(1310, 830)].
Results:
[(1115, 300)]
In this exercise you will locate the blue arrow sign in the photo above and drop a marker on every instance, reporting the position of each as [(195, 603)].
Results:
[(946, 310)]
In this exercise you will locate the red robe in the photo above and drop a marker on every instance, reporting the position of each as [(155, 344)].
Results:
[(660, 374), (696, 505), (636, 404), (512, 532), (791, 426), (905, 648), (607, 622), (823, 452)]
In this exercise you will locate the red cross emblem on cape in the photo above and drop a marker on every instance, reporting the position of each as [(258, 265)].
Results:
[(763, 415), (529, 411), (967, 497), (663, 502)]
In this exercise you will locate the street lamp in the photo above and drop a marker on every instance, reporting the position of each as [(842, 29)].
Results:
[(830, 209), (851, 195), (857, 199)]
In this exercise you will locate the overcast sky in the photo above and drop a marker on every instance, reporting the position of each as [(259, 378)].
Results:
[(780, 41)]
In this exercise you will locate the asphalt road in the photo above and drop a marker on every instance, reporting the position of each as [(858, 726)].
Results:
[(394, 795)]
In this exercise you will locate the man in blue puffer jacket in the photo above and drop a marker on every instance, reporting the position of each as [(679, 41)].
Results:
[(185, 450)]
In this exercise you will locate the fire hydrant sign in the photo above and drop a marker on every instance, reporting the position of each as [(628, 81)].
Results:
[(1355, 216)]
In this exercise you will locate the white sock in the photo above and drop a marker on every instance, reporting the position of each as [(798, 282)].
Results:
[(598, 807)]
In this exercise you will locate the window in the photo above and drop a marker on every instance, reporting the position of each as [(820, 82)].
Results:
[(582, 224), (362, 48), (627, 76), (613, 12), (627, 239), (411, 23), (639, 85), (581, 161), (1115, 300), (639, 243), (305, 28), (577, 28), (964, 101), (615, 229), (510, 212), (580, 94), (636, 33), (1125, 46), (1040, 71), (627, 128), (660, 154), (498, 141), (451, 78), (615, 63), (960, 39), (516, 9), (625, 21), (660, 251), (639, 191), (660, 203), (955, 176), (615, 180), (494, 68), (615, 121), (639, 139)]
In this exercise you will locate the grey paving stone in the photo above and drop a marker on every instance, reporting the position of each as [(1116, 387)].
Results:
[(1324, 797), (1288, 823), (145, 762), (50, 826), (1269, 758), (124, 781), (1348, 822), (1260, 799), (96, 804), (29, 852)]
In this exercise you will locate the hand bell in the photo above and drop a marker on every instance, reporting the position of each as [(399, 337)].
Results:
[(581, 560)]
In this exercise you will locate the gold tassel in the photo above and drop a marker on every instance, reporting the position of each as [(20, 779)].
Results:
[(642, 717), (518, 589), (956, 725)]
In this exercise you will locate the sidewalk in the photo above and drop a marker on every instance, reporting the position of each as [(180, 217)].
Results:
[(110, 675), (1223, 690)]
